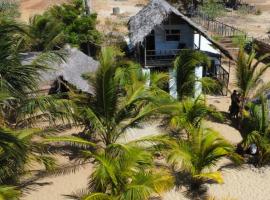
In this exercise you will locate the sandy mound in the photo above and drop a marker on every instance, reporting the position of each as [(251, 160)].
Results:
[(247, 183)]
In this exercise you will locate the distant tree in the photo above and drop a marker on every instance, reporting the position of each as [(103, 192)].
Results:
[(9, 9), (78, 27), (212, 9), (60, 25), (45, 33)]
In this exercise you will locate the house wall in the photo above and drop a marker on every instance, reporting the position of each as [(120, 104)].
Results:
[(186, 37)]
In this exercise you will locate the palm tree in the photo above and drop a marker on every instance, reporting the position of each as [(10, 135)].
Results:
[(18, 79), (257, 130), (184, 66), (249, 75), (18, 150), (15, 76), (126, 172), (197, 154), (17, 147), (120, 100), (45, 33), (190, 112)]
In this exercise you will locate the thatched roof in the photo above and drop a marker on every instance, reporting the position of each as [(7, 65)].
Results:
[(154, 14), (76, 64)]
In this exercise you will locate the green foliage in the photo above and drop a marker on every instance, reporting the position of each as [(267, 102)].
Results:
[(120, 99), (244, 10), (249, 74), (240, 41), (192, 112), (126, 172), (202, 149), (184, 66), (258, 12), (45, 33), (9, 193), (212, 9), (17, 147), (78, 27), (9, 9), (217, 37), (258, 130), (62, 24)]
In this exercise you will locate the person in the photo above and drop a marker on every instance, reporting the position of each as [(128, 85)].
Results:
[(234, 104), (237, 106)]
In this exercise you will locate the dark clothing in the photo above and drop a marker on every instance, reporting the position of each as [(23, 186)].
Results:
[(234, 108)]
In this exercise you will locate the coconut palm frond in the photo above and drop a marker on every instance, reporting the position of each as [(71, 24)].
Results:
[(72, 140), (9, 193), (97, 196), (201, 151), (214, 176), (184, 66)]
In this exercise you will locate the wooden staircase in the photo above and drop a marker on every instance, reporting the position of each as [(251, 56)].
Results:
[(227, 42)]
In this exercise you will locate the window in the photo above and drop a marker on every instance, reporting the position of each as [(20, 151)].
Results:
[(172, 35)]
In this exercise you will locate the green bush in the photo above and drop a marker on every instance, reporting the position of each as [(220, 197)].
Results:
[(79, 27), (61, 24), (240, 40), (212, 9), (9, 8)]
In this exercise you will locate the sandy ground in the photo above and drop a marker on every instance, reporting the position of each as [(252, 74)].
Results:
[(104, 8), (255, 25), (246, 183)]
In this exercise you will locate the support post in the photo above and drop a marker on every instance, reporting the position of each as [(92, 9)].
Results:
[(145, 53), (199, 41)]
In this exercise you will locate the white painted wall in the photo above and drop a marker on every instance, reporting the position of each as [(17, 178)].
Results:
[(146, 72), (198, 85), (205, 44), (172, 83), (186, 36)]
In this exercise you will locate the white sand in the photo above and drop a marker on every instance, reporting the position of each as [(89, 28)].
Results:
[(246, 183), (60, 185)]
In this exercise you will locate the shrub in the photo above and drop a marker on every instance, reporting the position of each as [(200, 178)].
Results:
[(61, 24), (9, 8), (212, 9), (258, 12)]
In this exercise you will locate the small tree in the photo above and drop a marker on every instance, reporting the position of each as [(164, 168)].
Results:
[(184, 66), (249, 75), (126, 172), (258, 130), (198, 153)]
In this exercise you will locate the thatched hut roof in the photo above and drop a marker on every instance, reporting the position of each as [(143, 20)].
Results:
[(76, 63), (154, 14)]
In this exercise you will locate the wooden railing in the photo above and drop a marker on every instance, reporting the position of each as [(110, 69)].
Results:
[(215, 26), (222, 76), (163, 57)]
